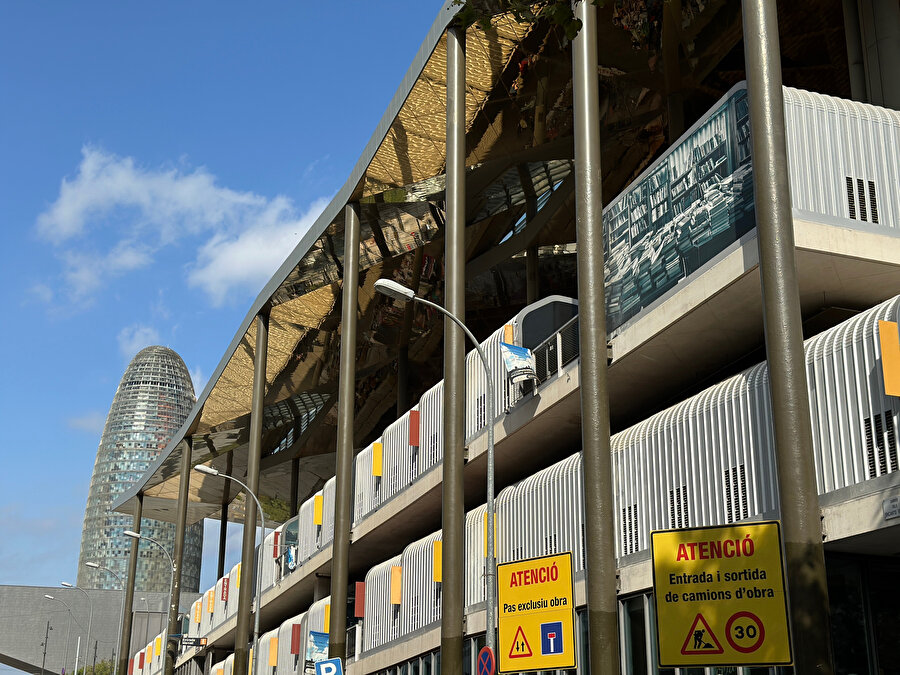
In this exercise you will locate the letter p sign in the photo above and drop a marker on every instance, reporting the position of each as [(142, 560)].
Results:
[(329, 667)]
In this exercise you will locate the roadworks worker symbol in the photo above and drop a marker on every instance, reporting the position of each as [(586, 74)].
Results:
[(700, 639), (520, 647)]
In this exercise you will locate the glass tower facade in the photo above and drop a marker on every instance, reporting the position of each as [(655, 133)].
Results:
[(153, 400)]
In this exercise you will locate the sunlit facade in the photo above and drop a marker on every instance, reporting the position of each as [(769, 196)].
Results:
[(151, 403)]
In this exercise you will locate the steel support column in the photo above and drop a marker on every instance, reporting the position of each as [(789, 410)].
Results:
[(223, 520), (248, 553), (178, 557), (598, 493), (343, 471), (453, 505), (805, 559), (125, 638)]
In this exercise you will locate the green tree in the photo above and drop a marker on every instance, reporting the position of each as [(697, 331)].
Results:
[(104, 667)]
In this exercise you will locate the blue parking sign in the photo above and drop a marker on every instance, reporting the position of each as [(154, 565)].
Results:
[(551, 638), (329, 667)]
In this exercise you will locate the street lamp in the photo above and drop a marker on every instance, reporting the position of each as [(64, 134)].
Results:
[(397, 291), (68, 626), (65, 584), (98, 566), (209, 471), (139, 537)]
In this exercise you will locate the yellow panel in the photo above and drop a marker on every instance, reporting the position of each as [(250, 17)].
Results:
[(237, 582), (377, 459), (198, 609), (437, 562), (396, 581), (890, 356), (508, 336), (720, 597), (210, 600), (158, 645), (150, 652), (327, 618), (536, 626), (318, 500), (273, 652)]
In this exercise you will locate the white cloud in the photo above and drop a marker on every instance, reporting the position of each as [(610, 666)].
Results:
[(91, 422), (247, 259), (135, 337), (198, 379), (114, 216)]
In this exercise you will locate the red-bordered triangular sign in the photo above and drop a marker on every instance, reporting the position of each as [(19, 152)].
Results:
[(704, 643), (520, 644)]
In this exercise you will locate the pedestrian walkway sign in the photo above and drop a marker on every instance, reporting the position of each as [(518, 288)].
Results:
[(536, 625), (720, 598)]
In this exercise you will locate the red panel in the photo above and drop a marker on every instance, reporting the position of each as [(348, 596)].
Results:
[(130, 666), (359, 606), (225, 589), (295, 638), (275, 547), (414, 428), (141, 660)]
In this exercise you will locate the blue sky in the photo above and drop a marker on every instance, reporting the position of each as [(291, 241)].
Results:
[(150, 155)]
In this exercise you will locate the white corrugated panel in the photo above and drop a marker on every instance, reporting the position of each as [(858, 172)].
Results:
[(326, 536), (382, 620), (289, 664), (854, 421), (842, 157), (218, 668), (229, 664), (265, 641), (194, 626), (400, 458), (313, 620), (206, 617), (287, 545), (366, 487), (270, 558), (475, 548), (476, 387), (159, 658), (219, 610), (420, 596), (233, 583), (431, 428), (307, 529)]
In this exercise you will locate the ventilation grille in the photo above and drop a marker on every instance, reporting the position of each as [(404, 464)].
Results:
[(550, 545), (857, 196), (736, 502), (881, 444), (630, 533), (678, 508)]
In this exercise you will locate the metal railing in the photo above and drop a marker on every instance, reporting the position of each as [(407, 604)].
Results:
[(557, 351)]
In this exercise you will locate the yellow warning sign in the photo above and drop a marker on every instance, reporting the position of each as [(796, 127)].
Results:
[(720, 596), (536, 626)]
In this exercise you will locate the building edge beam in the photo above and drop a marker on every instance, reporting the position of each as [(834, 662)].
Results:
[(127, 616)]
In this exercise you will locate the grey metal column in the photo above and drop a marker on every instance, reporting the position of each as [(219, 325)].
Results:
[(805, 560), (248, 553), (125, 644), (453, 505), (184, 484), (598, 493), (295, 486), (343, 470), (223, 520)]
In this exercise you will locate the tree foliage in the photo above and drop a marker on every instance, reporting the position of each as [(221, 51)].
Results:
[(105, 667)]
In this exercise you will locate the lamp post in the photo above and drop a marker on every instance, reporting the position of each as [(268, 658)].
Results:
[(87, 646), (98, 566), (139, 537), (397, 291), (68, 626), (209, 471)]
